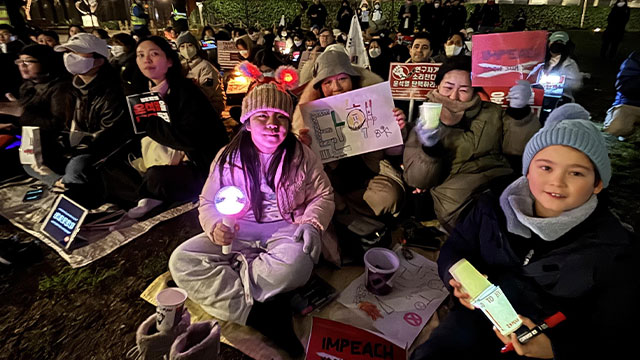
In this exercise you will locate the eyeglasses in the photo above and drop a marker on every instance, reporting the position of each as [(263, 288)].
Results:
[(25, 62)]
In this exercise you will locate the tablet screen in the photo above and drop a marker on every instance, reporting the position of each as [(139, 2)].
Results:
[(64, 221)]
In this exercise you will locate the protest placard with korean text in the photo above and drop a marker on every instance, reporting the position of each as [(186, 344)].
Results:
[(501, 59), (142, 106), (412, 81), (352, 123)]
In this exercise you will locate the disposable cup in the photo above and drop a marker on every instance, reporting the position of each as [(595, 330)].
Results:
[(381, 265), (430, 115), (169, 309)]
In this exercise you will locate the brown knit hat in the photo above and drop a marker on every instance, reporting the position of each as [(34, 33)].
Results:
[(266, 97)]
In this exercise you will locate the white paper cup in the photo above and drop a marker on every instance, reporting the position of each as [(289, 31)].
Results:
[(430, 115), (169, 310), (381, 264)]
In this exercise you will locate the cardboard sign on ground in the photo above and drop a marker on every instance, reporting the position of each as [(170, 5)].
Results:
[(501, 59), (353, 123), (412, 81)]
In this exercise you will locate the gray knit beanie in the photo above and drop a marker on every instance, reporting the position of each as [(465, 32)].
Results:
[(187, 37), (266, 97), (569, 125)]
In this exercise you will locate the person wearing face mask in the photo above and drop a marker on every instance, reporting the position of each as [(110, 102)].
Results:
[(558, 63), (367, 184), (471, 148), (99, 129), (194, 128), (123, 59), (297, 49), (455, 46), (616, 24), (201, 71), (380, 57), (46, 100), (378, 20), (364, 15), (246, 48)]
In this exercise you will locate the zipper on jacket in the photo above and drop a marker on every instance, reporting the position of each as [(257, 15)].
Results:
[(528, 257)]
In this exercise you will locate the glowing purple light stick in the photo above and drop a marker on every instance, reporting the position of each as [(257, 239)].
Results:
[(229, 201)]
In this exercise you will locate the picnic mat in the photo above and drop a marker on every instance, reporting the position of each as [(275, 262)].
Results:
[(255, 345), (28, 216)]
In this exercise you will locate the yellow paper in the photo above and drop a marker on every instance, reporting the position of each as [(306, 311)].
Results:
[(472, 281)]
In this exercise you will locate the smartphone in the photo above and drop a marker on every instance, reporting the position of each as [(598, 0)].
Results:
[(208, 44), (33, 195)]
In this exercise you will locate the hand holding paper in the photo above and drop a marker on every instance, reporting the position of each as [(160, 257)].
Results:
[(487, 297), (520, 94)]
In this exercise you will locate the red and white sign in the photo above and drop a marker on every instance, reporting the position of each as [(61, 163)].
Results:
[(412, 81), (335, 340), (498, 95), (501, 59)]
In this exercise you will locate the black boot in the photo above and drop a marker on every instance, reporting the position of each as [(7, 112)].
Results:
[(274, 319)]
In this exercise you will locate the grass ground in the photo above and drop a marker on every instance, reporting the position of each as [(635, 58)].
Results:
[(51, 311)]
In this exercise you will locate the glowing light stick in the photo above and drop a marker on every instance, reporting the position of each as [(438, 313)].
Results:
[(230, 201)]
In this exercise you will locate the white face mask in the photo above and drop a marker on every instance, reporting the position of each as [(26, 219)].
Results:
[(376, 6), (620, 4), (297, 43), (208, 37), (188, 52), (375, 52), (269, 74), (452, 50), (283, 34), (244, 53), (117, 50), (436, 5), (77, 64)]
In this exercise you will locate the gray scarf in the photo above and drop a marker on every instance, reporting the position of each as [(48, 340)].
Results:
[(517, 203)]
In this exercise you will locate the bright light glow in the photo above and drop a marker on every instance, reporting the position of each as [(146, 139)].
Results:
[(288, 77), (241, 80), (237, 73), (230, 200), (550, 79), (597, 30)]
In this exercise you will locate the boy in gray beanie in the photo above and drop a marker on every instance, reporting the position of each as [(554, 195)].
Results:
[(551, 247)]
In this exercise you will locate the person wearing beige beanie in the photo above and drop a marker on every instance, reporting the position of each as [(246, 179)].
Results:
[(277, 238)]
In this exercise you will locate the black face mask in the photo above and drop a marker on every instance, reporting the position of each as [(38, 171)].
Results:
[(557, 48)]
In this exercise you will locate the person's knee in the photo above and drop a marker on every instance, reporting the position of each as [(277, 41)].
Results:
[(384, 195), (295, 270)]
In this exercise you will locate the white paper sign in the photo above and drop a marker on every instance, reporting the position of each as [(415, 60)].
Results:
[(495, 305), (352, 123), (417, 293)]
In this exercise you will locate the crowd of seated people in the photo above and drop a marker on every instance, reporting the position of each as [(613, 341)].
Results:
[(455, 171)]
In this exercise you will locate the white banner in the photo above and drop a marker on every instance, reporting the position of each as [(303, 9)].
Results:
[(355, 45), (352, 123)]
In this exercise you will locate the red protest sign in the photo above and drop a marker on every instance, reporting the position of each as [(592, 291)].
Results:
[(498, 95), (412, 81), (503, 58), (334, 340)]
